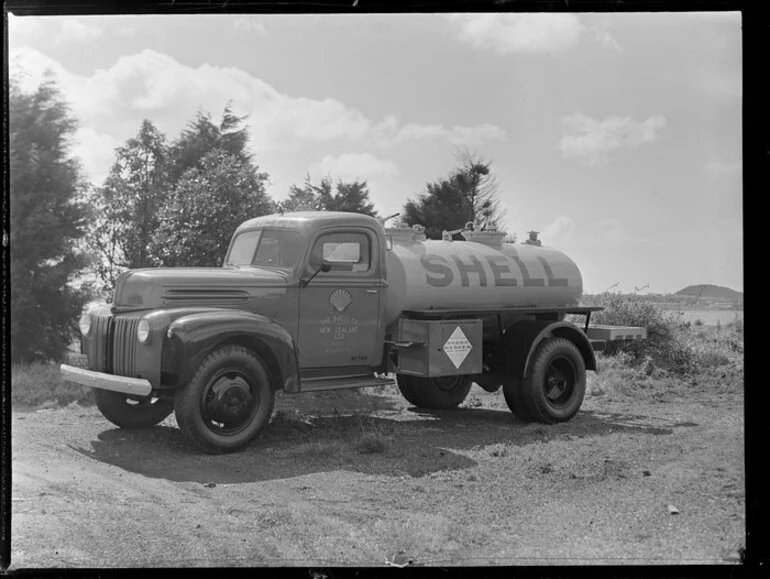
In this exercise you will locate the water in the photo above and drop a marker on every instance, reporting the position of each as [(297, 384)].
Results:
[(708, 317)]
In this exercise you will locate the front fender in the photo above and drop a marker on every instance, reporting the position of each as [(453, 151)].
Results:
[(191, 338), (523, 338)]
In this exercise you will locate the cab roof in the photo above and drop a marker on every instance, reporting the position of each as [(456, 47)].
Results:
[(308, 221)]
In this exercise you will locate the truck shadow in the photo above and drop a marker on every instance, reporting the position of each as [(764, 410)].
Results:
[(414, 444)]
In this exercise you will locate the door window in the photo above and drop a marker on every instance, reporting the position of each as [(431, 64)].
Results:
[(343, 251)]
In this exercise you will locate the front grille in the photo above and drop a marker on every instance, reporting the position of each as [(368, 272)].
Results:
[(96, 347), (124, 345)]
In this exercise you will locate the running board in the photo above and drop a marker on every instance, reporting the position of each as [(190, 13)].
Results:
[(320, 384)]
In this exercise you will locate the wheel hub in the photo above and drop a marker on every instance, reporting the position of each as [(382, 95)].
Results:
[(230, 400), (559, 381), (448, 383)]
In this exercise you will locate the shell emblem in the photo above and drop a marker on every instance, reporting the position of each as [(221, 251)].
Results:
[(340, 299)]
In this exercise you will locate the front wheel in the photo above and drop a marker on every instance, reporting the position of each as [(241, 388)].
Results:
[(556, 382), (132, 412), (435, 393), (227, 402)]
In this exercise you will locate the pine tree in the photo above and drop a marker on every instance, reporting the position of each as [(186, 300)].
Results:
[(469, 194), (47, 221)]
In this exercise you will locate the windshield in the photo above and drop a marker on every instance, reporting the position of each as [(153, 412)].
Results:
[(281, 248)]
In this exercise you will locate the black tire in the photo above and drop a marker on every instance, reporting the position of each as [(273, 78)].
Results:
[(439, 393), (556, 382), (227, 402), (406, 387), (515, 400), (130, 411)]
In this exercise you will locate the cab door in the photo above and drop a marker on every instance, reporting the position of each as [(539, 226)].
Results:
[(339, 312)]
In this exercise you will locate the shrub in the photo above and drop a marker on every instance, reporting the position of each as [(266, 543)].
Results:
[(629, 310), (680, 347)]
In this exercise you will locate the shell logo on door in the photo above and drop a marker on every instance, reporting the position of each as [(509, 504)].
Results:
[(340, 300)]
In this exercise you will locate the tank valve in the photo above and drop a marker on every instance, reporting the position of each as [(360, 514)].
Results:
[(533, 240)]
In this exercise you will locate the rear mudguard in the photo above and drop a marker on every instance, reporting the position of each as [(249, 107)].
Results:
[(193, 337), (523, 338)]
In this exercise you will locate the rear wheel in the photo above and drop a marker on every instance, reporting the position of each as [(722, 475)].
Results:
[(132, 411), (227, 402), (556, 382), (437, 393)]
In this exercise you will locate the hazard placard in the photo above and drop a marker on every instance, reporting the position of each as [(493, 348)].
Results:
[(457, 347), (440, 347)]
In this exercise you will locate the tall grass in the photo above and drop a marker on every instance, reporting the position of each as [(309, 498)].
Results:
[(40, 382)]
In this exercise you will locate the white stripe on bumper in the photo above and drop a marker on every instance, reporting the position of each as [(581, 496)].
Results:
[(124, 384)]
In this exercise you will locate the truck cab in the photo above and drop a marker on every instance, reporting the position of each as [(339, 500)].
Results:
[(303, 303)]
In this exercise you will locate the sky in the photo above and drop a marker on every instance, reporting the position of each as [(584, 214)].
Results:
[(616, 136)]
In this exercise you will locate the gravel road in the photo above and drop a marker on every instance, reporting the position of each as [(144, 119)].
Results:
[(470, 486)]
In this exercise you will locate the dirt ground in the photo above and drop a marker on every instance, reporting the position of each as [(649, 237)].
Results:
[(657, 480)]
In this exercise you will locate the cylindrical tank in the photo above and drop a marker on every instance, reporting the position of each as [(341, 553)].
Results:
[(481, 272)]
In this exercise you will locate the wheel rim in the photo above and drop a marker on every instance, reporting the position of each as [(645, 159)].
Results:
[(448, 384), (229, 403), (560, 380)]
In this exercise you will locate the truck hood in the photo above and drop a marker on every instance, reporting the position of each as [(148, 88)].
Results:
[(188, 286)]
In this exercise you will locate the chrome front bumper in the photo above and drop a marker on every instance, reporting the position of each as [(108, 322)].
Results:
[(124, 384)]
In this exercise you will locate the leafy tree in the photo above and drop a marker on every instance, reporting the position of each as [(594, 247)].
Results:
[(203, 136), (126, 208), (154, 187), (206, 206), (468, 194), (352, 197), (47, 220)]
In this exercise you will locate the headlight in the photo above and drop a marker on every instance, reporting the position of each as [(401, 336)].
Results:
[(143, 331), (85, 324)]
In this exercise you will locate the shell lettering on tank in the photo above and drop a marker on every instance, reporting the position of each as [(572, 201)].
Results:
[(437, 266), (475, 267), (528, 281), (500, 268), (439, 274), (433, 274), (552, 281)]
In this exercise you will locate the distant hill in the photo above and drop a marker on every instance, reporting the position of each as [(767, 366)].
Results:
[(710, 291)]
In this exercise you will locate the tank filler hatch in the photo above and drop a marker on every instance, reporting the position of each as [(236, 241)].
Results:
[(487, 237), (403, 234)]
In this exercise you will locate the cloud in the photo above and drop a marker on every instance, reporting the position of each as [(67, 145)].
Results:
[(559, 229), (380, 176), (73, 30), (718, 169), (356, 166), (95, 151), (526, 33), (151, 85), (388, 133), (595, 139)]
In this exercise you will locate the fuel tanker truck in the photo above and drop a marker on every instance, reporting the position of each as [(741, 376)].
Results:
[(313, 301)]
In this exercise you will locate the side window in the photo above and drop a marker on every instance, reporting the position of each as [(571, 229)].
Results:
[(343, 251)]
